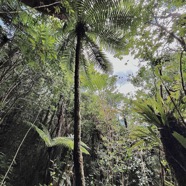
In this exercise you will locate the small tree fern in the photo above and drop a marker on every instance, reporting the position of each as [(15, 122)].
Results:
[(58, 141)]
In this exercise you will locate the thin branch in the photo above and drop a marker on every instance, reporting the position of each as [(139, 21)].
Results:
[(173, 15), (35, 7), (181, 74), (172, 100), (179, 39), (13, 160), (44, 6)]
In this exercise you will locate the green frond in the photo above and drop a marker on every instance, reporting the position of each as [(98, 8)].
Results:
[(115, 14), (148, 113), (96, 56), (121, 18), (84, 145), (97, 8), (67, 50), (144, 137), (153, 134), (153, 110), (58, 141), (69, 143), (63, 141), (44, 134), (85, 151), (180, 138), (109, 39), (68, 42), (145, 132)]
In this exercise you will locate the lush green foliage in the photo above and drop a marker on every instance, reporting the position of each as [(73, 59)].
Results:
[(130, 140)]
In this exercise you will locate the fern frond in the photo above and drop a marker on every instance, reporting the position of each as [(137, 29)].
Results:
[(63, 141), (69, 143), (148, 113), (58, 141), (180, 138), (97, 56), (98, 9), (43, 134), (109, 38)]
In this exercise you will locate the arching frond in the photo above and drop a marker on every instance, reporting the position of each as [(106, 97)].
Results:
[(111, 14), (69, 143), (44, 135), (58, 141), (121, 18), (109, 39), (152, 111), (90, 8), (97, 56), (67, 41), (67, 50)]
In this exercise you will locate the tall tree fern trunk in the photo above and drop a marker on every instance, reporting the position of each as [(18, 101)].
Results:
[(78, 158)]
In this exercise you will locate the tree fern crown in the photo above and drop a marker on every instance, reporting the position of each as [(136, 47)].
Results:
[(101, 24)]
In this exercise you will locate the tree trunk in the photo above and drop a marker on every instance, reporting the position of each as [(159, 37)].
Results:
[(175, 153), (78, 158)]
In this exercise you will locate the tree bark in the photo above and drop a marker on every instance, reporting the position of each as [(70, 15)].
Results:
[(78, 158), (175, 153)]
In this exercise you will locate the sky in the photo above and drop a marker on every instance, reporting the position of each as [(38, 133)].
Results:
[(122, 68)]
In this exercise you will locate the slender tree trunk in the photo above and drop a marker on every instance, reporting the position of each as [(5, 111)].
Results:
[(78, 158)]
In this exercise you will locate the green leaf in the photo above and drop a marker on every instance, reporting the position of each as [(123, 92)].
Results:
[(167, 183), (180, 138)]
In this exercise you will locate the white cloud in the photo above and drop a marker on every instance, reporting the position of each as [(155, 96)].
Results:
[(127, 88), (122, 68), (126, 65)]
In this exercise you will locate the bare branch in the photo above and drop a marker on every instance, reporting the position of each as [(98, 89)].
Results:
[(173, 15), (172, 34), (181, 74), (44, 7)]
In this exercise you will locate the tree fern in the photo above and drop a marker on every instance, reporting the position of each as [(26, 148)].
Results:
[(58, 141), (94, 26)]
